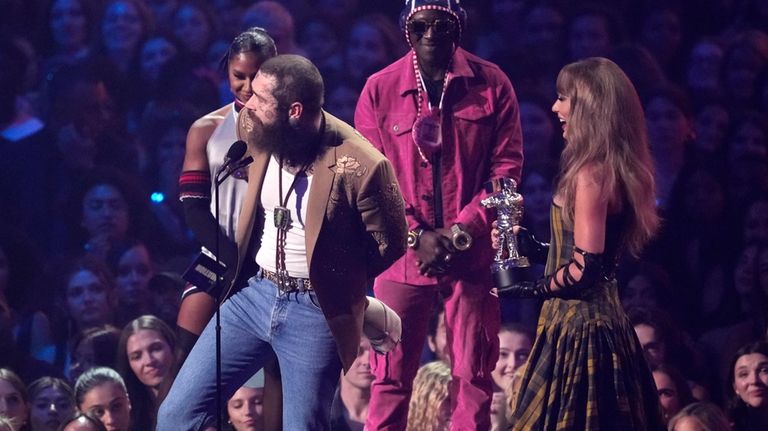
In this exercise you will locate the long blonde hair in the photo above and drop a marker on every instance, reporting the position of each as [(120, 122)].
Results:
[(606, 130), (430, 391)]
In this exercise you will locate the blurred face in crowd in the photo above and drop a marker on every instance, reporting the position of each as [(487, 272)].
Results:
[(109, 402), (68, 24), (319, 41), (589, 37), (80, 424), (105, 212), (662, 33), (439, 343), (543, 30), (50, 408), (359, 374), (652, 343), (88, 299), (742, 69), (121, 27), (711, 126), (170, 152), (640, 292), (756, 222), (514, 348), (538, 196), (155, 53), (749, 140), (134, 269), (342, 101), (245, 409), (668, 127), (150, 356), (192, 28), (366, 49), (668, 396), (751, 276), (83, 358), (751, 379), (704, 66), (689, 423), (538, 130), (162, 10), (12, 404)]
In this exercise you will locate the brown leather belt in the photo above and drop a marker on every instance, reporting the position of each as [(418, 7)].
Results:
[(289, 284)]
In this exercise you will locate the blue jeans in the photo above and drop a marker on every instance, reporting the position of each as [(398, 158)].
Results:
[(252, 320)]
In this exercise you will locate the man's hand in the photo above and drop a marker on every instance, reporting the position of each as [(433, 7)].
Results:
[(434, 253)]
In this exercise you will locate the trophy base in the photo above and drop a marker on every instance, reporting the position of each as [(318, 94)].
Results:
[(510, 271)]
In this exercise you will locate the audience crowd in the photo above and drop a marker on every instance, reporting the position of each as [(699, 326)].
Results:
[(96, 97)]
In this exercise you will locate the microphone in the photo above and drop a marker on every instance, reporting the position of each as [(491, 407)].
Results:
[(233, 161), (236, 152)]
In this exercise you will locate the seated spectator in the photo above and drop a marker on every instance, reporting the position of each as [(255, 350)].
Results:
[(646, 285), (194, 25), (436, 337), (373, 42), (673, 390), (350, 404), (246, 407), (20, 301), (88, 301), (83, 422), (52, 401), (430, 406), (109, 210), (515, 343), (93, 347), (699, 417), (132, 265), (14, 400), (101, 392), (277, 20), (748, 387), (166, 289), (146, 359)]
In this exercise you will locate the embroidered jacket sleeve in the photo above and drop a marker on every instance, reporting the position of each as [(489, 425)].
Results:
[(380, 204)]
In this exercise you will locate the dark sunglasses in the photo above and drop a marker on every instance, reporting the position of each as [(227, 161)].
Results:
[(439, 26)]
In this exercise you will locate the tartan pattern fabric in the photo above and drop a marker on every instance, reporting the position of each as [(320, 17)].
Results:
[(586, 370)]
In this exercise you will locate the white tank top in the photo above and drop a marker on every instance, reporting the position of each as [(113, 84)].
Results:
[(295, 245), (232, 190)]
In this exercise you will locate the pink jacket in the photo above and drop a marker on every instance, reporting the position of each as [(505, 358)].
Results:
[(482, 140)]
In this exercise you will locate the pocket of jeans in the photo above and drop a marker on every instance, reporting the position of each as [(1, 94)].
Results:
[(312, 300)]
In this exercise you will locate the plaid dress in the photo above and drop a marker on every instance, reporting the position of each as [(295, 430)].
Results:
[(586, 370)]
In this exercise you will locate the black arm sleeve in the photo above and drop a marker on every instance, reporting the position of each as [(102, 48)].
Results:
[(199, 218)]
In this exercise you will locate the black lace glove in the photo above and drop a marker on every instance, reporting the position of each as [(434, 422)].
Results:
[(527, 244), (550, 286)]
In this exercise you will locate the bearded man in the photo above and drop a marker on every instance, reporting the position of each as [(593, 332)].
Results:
[(322, 216)]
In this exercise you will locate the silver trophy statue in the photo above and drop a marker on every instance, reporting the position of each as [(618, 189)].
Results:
[(509, 210)]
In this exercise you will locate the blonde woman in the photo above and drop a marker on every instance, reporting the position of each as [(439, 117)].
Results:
[(586, 369), (430, 405), (699, 417)]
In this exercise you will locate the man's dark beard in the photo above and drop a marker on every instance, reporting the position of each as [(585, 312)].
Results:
[(295, 145)]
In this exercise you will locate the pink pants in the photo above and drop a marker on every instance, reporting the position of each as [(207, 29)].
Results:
[(472, 324)]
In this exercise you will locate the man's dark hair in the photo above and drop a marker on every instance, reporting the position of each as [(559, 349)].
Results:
[(298, 80)]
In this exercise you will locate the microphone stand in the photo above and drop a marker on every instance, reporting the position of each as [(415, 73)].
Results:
[(217, 284)]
